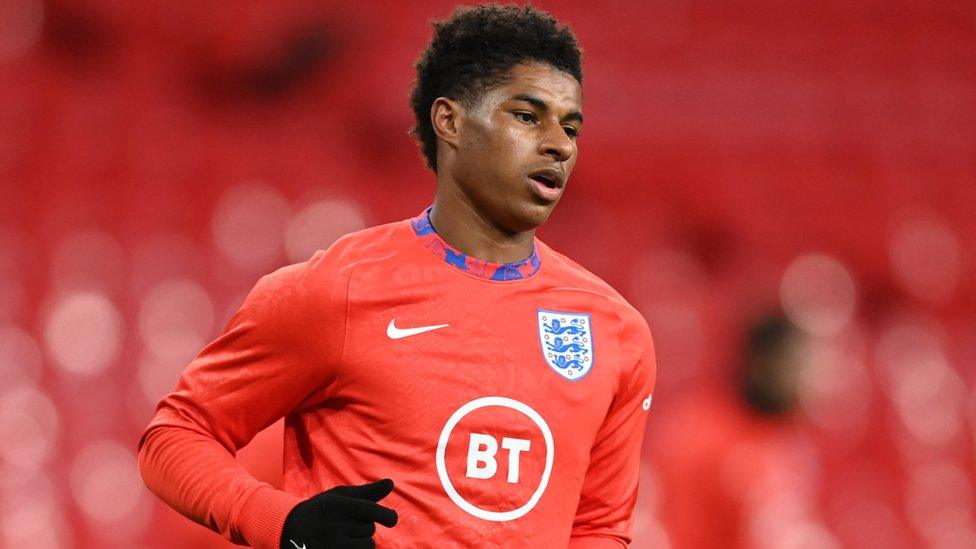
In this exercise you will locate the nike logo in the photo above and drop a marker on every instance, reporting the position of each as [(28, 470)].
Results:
[(393, 332), (302, 546)]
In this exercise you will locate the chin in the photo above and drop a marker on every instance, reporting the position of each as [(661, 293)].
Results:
[(531, 216)]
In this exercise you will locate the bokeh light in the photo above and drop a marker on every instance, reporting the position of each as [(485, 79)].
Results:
[(318, 225), (837, 389), (175, 319), (83, 333), (972, 417), (157, 375), (940, 504), (105, 482), (916, 376), (926, 257), (249, 224), (29, 427), (818, 294), (804, 535), (31, 514), (865, 520), (20, 357)]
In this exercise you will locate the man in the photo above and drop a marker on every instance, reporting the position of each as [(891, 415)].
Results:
[(497, 389), (728, 459)]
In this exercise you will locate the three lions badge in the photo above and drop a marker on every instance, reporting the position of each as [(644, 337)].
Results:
[(567, 342)]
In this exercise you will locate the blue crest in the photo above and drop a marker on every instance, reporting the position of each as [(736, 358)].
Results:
[(567, 342)]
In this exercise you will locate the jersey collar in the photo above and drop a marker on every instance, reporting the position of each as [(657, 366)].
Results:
[(471, 265)]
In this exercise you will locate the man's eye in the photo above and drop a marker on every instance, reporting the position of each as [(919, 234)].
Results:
[(571, 131), (525, 116)]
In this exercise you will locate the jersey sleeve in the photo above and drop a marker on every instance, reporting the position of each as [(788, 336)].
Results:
[(275, 357), (605, 513)]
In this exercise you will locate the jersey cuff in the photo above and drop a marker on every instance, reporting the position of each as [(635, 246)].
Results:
[(263, 515)]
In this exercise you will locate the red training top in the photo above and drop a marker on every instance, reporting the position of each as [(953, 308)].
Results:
[(506, 401)]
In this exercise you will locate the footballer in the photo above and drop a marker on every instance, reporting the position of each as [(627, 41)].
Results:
[(447, 380)]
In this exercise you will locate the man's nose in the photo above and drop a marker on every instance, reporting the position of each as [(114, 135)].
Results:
[(557, 144)]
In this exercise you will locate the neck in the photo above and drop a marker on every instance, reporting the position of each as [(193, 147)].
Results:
[(468, 229)]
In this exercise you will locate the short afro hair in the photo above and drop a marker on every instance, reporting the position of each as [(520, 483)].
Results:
[(474, 50)]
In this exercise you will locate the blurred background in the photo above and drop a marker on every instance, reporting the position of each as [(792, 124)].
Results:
[(785, 189)]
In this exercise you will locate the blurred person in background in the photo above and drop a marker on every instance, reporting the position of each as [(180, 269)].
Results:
[(734, 471), (503, 387)]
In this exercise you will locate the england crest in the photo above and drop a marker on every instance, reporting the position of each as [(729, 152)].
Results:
[(567, 342)]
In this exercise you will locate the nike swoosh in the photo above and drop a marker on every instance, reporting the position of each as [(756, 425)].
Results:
[(302, 546), (393, 332)]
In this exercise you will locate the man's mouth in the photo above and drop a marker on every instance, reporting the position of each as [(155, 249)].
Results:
[(550, 177), (546, 181)]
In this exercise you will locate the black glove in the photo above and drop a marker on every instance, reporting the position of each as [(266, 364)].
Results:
[(339, 518)]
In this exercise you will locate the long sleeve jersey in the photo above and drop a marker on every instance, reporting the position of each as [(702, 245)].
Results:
[(506, 401)]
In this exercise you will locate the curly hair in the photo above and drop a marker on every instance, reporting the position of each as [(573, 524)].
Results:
[(475, 49)]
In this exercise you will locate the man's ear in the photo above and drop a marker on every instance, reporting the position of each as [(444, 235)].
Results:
[(445, 117)]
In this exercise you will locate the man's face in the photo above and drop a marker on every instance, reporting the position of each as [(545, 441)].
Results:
[(517, 146)]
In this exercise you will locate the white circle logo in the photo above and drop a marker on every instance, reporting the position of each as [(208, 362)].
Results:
[(452, 492)]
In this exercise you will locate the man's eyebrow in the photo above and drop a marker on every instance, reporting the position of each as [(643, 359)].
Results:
[(542, 106)]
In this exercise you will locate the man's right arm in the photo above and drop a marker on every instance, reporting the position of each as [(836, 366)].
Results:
[(199, 478), (277, 355)]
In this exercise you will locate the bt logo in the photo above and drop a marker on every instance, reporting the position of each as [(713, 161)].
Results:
[(481, 456), (473, 463)]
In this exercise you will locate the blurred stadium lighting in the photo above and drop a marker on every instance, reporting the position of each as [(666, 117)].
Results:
[(926, 391), (249, 224), (105, 483), (20, 357), (31, 513), (83, 333), (30, 425), (175, 319), (940, 504), (837, 390), (817, 293), (320, 224), (926, 258)]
